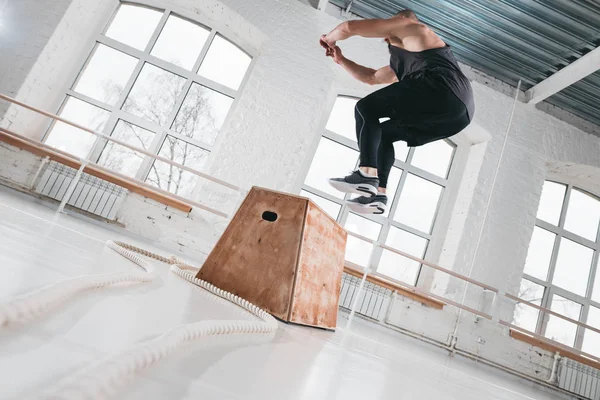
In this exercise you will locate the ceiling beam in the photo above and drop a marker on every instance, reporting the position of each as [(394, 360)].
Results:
[(567, 76), (322, 4)]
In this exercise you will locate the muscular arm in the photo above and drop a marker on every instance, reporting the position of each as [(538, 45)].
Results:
[(367, 75), (364, 74), (376, 28)]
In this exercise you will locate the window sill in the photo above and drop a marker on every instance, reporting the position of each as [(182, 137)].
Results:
[(573, 355), (42, 150)]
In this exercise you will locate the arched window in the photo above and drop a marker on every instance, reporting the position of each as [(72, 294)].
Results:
[(415, 189), (157, 81), (561, 271)]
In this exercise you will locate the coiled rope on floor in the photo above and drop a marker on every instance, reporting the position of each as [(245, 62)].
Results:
[(102, 380)]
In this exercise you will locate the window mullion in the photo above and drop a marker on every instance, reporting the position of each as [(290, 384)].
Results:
[(91, 100), (452, 158), (583, 316), (593, 274), (202, 54), (543, 317), (549, 227), (553, 258), (427, 175), (178, 103), (122, 47), (343, 140), (588, 297), (139, 121), (581, 300), (157, 31), (576, 238), (190, 140), (533, 279), (409, 229), (191, 78), (540, 326), (378, 251), (437, 209), (396, 199), (343, 217), (543, 301), (144, 169), (100, 143), (409, 156), (550, 288), (569, 295), (130, 82), (155, 146), (563, 214), (401, 164), (217, 87)]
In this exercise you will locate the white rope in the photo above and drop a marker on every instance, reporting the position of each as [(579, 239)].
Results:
[(43, 300), (103, 380), (487, 209)]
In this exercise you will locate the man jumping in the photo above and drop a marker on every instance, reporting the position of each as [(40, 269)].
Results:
[(429, 99)]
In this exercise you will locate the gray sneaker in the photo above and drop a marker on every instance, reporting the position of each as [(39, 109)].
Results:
[(356, 183), (368, 205)]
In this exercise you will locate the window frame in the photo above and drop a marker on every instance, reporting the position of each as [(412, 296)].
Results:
[(388, 222), (143, 56), (550, 289)]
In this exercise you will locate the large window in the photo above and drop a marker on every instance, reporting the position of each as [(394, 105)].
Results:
[(561, 270), (157, 81), (415, 189)]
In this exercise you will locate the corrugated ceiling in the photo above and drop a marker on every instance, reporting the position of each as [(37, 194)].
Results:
[(512, 39)]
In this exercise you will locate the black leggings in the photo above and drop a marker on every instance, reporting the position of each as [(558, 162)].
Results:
[(420, 110)]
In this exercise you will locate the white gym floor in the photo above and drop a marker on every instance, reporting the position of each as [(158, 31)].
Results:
[(38, 247)]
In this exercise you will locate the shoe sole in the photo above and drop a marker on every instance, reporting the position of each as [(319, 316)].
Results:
[(373, 208), (356, 188)]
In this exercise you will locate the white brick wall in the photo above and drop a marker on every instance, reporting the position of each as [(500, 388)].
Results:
[(57, 61), (26, 27), (17, 167), (275, 125), (192, 234)]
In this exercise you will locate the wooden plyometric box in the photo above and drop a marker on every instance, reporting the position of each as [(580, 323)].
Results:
[(284, 254)]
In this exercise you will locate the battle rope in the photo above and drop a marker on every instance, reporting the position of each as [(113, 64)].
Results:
[(102, 380)]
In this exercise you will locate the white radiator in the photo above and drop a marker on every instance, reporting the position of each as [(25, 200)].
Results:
[(579, 379), (372, 302), (91, 194)]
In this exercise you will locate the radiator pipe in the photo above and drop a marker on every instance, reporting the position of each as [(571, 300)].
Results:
[(72, 187), (554, 374), (43, 163)]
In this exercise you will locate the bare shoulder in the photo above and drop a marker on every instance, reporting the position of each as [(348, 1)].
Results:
[(431, 38), (421, 37)]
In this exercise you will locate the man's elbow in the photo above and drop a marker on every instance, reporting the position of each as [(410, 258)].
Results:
[(348, 27), (375, 81), (371, 80)]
